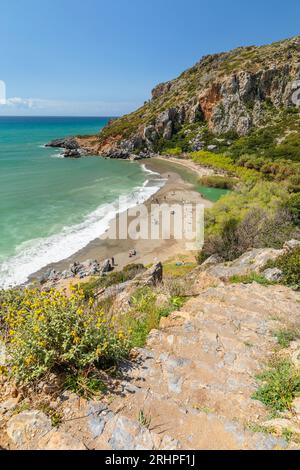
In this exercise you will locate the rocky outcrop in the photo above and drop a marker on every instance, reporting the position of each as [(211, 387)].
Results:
[(70, 145), (192, 385), (251, 261), (161, 89), (232, 91), (238, 105), (190, 388), (123, 292), (78, 270), (228, 92), (28, 426), (273, 274)]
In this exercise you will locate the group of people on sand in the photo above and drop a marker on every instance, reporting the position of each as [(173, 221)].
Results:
[(113, 264)]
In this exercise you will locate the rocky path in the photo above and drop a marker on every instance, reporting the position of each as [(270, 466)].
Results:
[(190, 388)]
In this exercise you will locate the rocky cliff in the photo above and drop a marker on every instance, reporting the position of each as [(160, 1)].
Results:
[(225, 94)]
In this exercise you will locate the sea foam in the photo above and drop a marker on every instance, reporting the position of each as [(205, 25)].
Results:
[(38, 253)]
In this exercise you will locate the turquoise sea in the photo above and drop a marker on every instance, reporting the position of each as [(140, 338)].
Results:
[(51, 207)]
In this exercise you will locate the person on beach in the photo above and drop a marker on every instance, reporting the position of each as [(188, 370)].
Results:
[(132, 253)]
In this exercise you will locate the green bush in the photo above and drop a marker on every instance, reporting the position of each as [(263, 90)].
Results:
[(47, 331), (280, 384), (143, 317), (289, 264), (225, 163), (285, 337), (173, 151), (222, 182), (254, 216), (249, 279), (293, 206), (116, 277), (145, 314)]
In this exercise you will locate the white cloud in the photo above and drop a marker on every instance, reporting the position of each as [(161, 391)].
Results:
[(35, 106), (20, 102)]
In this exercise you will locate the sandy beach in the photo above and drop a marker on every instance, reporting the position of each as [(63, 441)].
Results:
[(175, 191)]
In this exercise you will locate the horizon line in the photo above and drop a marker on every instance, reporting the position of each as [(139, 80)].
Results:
[(56, 116)]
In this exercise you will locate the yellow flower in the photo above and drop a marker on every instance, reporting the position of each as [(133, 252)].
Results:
[(29, 360)]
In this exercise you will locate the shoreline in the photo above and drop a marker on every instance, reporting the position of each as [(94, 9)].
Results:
[(175, 190), (189, 165)]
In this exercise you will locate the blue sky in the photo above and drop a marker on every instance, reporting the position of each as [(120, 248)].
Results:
[(101, 57)]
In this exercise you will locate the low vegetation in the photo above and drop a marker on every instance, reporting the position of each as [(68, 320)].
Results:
[(289, 264), (286, 336), (254, 216), (221, 182), (47, 331), (74, 336), (116, 277), (249, 279), (178, 269), (146, 313), (280, 384), (225, 163)]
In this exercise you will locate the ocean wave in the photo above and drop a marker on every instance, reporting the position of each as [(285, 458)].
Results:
[(36, 254), (57, 155), (147, 170)]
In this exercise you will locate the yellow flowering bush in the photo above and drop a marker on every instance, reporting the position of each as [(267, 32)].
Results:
[(46, 331)]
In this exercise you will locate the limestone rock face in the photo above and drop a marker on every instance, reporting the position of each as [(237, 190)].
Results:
[(273, 275), (69, 143), (25, 427), (161, 89), (129, 435), (238, 90), (58, 440), (228, 92), (252, 261), (212, 261)]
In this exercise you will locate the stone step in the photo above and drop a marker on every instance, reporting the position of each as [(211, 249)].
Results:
[(246, 330), (190, 427), (256, 298), (214, 349), (198, 383)]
